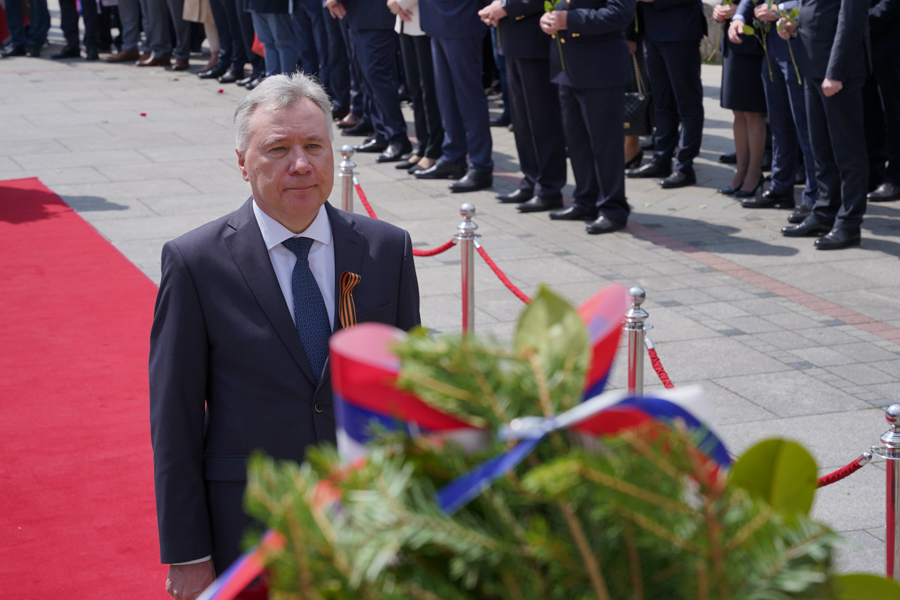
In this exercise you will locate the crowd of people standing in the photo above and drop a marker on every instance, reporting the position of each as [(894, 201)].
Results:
[(819, 78)]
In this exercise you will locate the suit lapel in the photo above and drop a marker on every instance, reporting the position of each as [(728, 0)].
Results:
[(349, 246), (252, 258)]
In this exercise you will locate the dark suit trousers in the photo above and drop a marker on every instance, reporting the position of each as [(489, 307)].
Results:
[(674, 69), (338, 82), (68, 22), (227, 32), (420, 81), (245, 26), (377, 55), (312, 40), (537, 123), (360, 102), (464, 112), (787, 119), (839, 146), (882, 117), (594, 122)]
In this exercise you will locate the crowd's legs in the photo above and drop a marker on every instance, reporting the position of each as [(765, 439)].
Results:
[(417, 63)]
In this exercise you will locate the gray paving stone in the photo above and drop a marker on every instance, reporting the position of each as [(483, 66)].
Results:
[(822, 357), (790, 393), (862, 374)]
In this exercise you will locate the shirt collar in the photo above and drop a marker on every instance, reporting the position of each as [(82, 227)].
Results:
[(274, 232)]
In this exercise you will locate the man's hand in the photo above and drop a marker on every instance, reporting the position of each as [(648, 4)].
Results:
[(395, 8), (723, 12), (337, 10), (632, 46), (831, 87), (786, 29), (763, 13), (492, 13), (552, 22), (736, 31), (187, 582)]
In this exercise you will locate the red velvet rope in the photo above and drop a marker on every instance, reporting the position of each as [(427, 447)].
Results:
[(657, 366), (843, 472), (365, 201), (434, 251), (502, 276)]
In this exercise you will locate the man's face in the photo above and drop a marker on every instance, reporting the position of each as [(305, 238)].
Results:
[(289, 163)]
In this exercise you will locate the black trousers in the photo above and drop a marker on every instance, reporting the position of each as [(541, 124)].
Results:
[(376, 51), (537, 126), (881, 97), (68, 17), (594, 122), (674, 69), (420, 80), (839, 147), (244, 40)]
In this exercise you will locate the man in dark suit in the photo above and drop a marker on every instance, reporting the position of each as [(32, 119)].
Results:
[(882, 109), (673, 30), (534, 103), (590, 61), (375, 47), (246, 305), (457, 36), (834, 36)]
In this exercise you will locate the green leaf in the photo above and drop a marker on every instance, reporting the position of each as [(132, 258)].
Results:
[(748, 30), (547, 6), (865, 586), (779, 472), (551, 327)]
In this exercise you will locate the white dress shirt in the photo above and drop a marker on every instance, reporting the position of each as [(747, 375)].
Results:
[(321, 263)]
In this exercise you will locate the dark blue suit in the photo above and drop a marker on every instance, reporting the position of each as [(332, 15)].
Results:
[(456, 45), (312, 39), (375, 46), (229, 375), (787, 110), (673, 31), (533, 99), (592, 96), (882, 94)]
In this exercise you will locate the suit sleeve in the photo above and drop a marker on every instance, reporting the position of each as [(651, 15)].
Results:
[(883, 12), (744, 11), (848, 39), (659, 5), (408, 294), (523, 8), (615, 16), (178, 369)]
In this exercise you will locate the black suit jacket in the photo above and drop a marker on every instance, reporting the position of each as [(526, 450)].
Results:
[(593, 45), (520, 34), (369, 14), (228, 374), (884, 24), (450, 19), (835, 36), (674, 20)]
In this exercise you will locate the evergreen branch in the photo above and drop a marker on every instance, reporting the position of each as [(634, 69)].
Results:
[(486, 390), (566, 402), (715, 548), (702, 581), (438, 386), (587, 555), (634, 561), (638, 444), (635, 491), (661, 532), (540, 379), (671, 571), (792, 552), (764, 516), (307, 589), (418, 593), (512, 585)]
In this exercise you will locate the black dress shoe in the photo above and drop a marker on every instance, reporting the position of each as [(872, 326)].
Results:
[(573, 213), (92, 54), (515, 197), (539, 204), (217, 71), (750, 193), (33, 52), (635, 162), (361, 129), (728, 159), (680, 179), (837, 239), (13, 51), (372, 145), (501, 121), (886, 192), (231, 75), (406, 165), (809, 226), (395, 151), (769, 199), (67, 52), (473, 181), (441, 170), (416, 168), (799, 215), (651, 169), (603, 225)]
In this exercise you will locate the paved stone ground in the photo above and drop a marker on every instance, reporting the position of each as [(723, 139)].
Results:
[(785, 340)]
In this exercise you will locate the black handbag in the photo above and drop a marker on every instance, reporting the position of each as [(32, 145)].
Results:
[(638, 107)]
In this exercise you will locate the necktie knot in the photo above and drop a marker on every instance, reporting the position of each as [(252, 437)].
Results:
[(299, 246)]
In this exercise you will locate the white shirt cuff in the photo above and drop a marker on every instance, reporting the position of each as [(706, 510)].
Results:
[(194, 562)]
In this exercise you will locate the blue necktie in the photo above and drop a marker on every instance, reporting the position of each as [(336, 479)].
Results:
[(310, 314)]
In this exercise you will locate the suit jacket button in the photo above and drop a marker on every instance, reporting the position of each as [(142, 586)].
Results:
[(318, 407)]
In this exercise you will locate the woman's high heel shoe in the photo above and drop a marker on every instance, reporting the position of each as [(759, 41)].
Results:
[(728, 191), (635, 162), (751, 193)]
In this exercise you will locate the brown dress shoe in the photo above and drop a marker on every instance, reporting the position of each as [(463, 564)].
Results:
[(349, 121), (144, 56), (181, 65), (155, 61), (124, 56)]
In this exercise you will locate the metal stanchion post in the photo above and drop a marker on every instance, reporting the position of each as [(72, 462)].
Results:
[(891, 452), (634, 325), (466, 237), (346, 174)]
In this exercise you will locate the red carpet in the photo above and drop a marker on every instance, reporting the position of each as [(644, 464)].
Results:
[(77, 514)]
